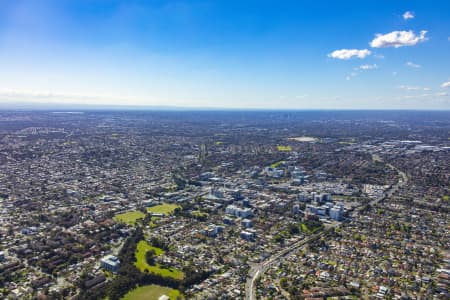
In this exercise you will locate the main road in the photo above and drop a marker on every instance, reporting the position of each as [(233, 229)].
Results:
[(258, 269)]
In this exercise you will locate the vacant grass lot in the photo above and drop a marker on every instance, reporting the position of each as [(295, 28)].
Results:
[(304, 228), (151, 292), (129, 217), (165, 208), (284, 148), (276, 164), (142, 265), (198, 213)]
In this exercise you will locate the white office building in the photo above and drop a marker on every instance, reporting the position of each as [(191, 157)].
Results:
[(110, 263), (337, 212), (238, 212)]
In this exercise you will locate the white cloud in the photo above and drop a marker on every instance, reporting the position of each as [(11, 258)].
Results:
[(349, 53), (445, 84), (428, 96), (413, 88), (408, 88), (368, 67), (356, 71), (331, 99), (398, 39), (408, 15), (412, 65), (54, 97), (37, 94), (351, 75)]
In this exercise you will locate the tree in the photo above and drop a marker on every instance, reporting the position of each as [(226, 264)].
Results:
[(284, 282), (294, 229), (150, 257), (279, 239)]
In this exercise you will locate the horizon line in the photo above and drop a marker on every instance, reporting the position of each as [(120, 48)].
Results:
[(31, 106)]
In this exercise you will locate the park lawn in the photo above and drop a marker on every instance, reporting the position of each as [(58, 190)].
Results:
[(284, 148), (330, 262), (198, 213), (151, 292), (277, 164), (305, 228), (129, 217), (165, 208), (142, 265), (346, 143), (152, 224)]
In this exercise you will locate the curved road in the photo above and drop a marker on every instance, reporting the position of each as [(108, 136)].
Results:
[(259, 269)]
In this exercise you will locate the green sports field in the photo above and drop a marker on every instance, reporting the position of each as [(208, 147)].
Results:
[(129, 217), (151, 292), (165, 208)]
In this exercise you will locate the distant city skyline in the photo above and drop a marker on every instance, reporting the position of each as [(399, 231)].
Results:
[(226, 54)]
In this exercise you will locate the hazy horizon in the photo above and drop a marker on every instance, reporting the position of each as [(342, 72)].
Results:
[(67, 107)]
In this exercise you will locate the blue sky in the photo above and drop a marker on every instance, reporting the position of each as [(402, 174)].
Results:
[(237, 54)]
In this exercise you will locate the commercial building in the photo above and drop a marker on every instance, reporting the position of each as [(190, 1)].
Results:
[(110, 263), (238, 212), (247, 223), (337, 212), (247, 235)]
